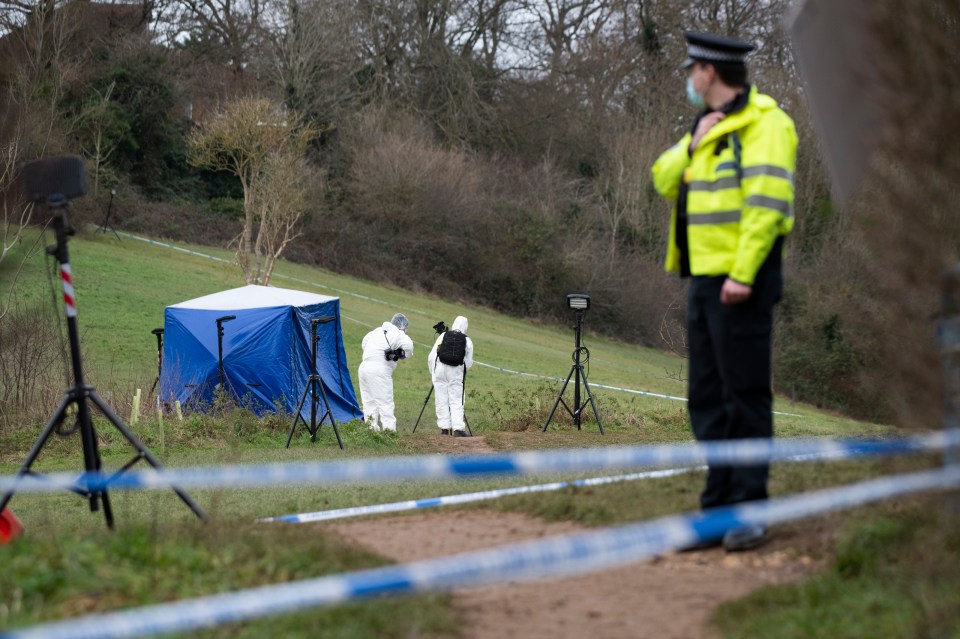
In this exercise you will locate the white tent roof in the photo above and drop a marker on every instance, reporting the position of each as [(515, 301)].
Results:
[(253, 296)]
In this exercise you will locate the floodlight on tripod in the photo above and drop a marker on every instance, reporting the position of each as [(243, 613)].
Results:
[(579, 303), (54, 182)]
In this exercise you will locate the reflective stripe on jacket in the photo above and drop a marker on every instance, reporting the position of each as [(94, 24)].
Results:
[(735, 210)]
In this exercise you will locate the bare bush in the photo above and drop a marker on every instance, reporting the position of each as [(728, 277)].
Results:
[(262, 144), (413, 198), (31, 367), (15, 212)]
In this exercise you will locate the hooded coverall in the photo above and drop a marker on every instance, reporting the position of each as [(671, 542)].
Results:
[(376, 374), (448, 382)]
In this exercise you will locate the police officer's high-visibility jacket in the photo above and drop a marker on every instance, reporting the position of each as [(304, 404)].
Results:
[(739, 190)]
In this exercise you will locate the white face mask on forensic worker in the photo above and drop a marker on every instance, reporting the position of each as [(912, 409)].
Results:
[(693, 97)]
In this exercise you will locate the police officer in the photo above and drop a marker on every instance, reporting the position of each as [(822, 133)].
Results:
[(730, 179)]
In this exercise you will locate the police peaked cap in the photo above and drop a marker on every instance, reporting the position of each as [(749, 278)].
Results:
[(705, 47)]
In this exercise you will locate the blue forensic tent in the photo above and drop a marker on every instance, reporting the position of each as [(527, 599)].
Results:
[(266, 351)]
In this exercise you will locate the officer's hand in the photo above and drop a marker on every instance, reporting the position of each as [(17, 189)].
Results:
[(733, 292), (706, 123)]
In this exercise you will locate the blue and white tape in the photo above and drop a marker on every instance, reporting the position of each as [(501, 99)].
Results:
[(391, 469), (673, 398), (551, 557), (466, 498)]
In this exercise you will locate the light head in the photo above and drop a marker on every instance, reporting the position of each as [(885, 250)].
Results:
[(53, 179), (578, 302)]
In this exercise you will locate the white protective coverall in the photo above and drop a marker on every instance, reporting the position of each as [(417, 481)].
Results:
[(376, 374), (448, 381)]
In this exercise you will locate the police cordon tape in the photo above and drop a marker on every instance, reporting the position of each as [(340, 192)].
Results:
[(174, 247), (391, 469), (465, 498), (673, 398), (542, 558)]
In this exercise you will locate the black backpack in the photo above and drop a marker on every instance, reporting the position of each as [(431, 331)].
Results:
[(453, 348)]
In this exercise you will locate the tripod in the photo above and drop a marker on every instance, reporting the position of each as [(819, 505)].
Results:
[(159, 333), (80, 394), (576, 371), (220, 321), (313, 383), (105, 225), (425, 401)]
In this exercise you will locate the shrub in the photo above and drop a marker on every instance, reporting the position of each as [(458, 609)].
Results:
[(31, 366)]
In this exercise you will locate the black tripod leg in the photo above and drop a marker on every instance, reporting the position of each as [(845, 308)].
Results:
[(463, 401), (559, 400), (430, 392), (337, 433), (314, 399), (147, 455), (52, 423), (329, 412), (296, 414), (592, 403), (107, 510)]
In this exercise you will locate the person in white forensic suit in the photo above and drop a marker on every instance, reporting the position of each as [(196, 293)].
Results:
[(448, 382), (383, 348)]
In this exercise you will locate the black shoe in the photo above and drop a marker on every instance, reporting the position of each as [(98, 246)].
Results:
[(746, 538), (444, 431), (460, 433), (706, 544)]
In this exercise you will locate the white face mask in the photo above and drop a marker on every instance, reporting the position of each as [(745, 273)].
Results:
[(693, 97)]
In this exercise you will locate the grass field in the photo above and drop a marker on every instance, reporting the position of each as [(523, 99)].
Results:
[(68, 564)]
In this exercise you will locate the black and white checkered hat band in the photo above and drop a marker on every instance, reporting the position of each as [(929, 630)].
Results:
[(702, 53)]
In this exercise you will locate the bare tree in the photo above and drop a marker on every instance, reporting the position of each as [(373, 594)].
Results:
[(258, 141), (16, 212), (316, 57), (482, 27), (93, 119), (280, 203), (225, 30), (38, 42), (36, 36)]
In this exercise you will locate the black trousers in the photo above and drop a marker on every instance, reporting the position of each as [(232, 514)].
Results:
[(730, 395)]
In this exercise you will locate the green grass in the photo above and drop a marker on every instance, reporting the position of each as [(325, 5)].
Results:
[(59, 576), (123, 286), (68, 565), (896, 574)]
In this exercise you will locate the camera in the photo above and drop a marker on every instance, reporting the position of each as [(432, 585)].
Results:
[(394, 355), (440, 327)]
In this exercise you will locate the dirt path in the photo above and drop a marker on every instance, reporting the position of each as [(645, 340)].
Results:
[(667, 597)]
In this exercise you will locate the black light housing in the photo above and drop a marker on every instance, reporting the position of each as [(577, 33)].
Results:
[(578, 301), (61, 176)]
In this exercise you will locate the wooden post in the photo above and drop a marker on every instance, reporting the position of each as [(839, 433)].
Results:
[(135, 413)]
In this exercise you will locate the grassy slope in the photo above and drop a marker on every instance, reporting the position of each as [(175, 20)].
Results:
[(122, 288)]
